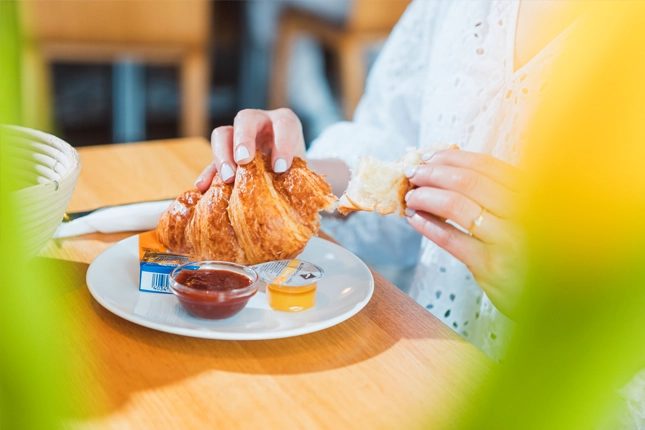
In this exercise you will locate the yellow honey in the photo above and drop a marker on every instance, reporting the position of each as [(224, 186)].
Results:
[(291, 284), (291, 299)]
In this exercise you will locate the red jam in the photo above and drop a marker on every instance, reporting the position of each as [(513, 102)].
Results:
[(212, 280), (208, 293)]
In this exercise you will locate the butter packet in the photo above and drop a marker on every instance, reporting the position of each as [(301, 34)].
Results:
[(156, 263)]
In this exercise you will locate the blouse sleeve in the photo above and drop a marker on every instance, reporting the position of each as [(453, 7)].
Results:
[(385, 123), (386, 120)]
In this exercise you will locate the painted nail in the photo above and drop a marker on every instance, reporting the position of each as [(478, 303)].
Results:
[(198, 181), (407, 195), (280, 165), (241, 154), (427, 156), (226, 172), (410, 171), (409, 212)]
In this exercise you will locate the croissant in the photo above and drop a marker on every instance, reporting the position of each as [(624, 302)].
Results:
[(264, 216)]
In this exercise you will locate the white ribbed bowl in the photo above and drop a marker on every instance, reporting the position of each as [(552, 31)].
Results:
[(45, 170)]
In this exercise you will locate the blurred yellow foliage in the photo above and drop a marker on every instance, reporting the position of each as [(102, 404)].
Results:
[(581, 329)]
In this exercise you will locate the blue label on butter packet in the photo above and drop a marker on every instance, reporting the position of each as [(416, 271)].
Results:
[(155, 268)]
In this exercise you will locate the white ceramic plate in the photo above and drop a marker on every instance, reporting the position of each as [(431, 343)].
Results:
[(113, 280)]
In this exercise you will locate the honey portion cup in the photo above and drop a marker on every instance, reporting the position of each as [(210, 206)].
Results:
[(291, 299), (291, 284)]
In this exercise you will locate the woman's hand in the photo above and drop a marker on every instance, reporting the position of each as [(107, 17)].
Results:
[(277, 132), (480, 193)]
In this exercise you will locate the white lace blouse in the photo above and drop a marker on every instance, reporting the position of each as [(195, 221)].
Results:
[(445, 75)]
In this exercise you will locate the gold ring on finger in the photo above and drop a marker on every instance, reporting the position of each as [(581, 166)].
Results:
[(477, 222)]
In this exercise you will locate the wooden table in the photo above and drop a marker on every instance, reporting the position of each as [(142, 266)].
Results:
[(393, 365)]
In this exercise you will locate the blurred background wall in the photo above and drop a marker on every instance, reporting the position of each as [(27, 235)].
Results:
[(102, 71)]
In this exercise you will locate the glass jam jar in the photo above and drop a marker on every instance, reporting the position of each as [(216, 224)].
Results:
[(213, 289)]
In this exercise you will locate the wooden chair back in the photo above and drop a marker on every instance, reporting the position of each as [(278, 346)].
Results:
[(375, 15), (118, 21), (167, 31)]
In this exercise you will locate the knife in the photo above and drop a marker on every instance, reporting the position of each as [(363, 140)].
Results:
[(71, 216), (141, 216)]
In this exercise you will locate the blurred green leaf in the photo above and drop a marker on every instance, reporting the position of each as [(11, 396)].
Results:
[(33, 393)]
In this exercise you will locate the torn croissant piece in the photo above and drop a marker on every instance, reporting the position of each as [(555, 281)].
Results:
[(381, 186), (264, 216)]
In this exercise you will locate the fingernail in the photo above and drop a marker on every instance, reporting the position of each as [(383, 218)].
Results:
[(280, 165), (410, 171), (427, 156), (198, 181), (226, 172), (409, 212), (241, 153), (407, 195)]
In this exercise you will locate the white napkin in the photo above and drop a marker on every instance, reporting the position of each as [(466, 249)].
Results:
[(134, 217)]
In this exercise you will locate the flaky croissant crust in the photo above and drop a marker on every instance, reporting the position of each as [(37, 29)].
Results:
[(264, 216)]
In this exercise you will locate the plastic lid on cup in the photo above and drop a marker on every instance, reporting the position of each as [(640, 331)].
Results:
[(289, 273)]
